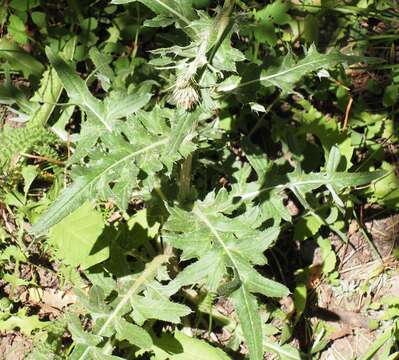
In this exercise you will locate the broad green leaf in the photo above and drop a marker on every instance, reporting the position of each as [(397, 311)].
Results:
[(196, 272), (19, 58), (24, 5), (385, 190), (326, 129), (29, 174), (259, 284), (289, 71), (40, 20), (300, 294), (286, 352), (24, 323), (247, 311), (275, 12), (391, 95), (270, 200), (256, 158), (328, 255), (140, 221), (183, 347), (71, 199), (273, 208), (124, 106), (76, 237), (79, 335), (342, 180), (157, 306), (134, 334), (84, 187), (265, 32), (102, 63), (16, 28), (307, 227)]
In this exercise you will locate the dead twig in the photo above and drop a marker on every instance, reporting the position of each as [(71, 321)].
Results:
[(347, 112), (43, 158)]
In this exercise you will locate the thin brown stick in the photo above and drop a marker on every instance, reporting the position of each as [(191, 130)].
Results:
[(43, 158), (347, 112)]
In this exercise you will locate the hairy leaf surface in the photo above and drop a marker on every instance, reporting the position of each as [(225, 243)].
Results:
[(289, 71), (223, 244), (114, 166)]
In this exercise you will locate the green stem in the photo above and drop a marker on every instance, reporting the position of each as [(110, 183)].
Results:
[(185, 179), (370, 242), (222, 23), (222, 26)]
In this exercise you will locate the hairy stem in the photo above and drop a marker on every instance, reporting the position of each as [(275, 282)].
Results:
[(185, 179)]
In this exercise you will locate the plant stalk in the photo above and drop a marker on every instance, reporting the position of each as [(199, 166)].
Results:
[(185, 179), (222, 24)]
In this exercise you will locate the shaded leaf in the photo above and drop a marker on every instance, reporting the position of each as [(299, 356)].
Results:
[(134, 334), (183, 347), (26, 324), (76, 236), (19, 58)]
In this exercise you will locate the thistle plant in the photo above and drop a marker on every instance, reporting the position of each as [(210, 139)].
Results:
[(156, 142)]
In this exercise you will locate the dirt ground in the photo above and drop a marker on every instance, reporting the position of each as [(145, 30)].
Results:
[(368, 273)]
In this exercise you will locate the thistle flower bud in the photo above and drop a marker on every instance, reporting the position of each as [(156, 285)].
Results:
[(185, 95)]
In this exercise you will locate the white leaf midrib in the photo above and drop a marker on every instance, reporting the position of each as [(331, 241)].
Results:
[(109, 168), (141, 280), (202, 217)]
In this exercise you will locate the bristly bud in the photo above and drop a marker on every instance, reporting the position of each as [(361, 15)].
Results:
[(185, 95)]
